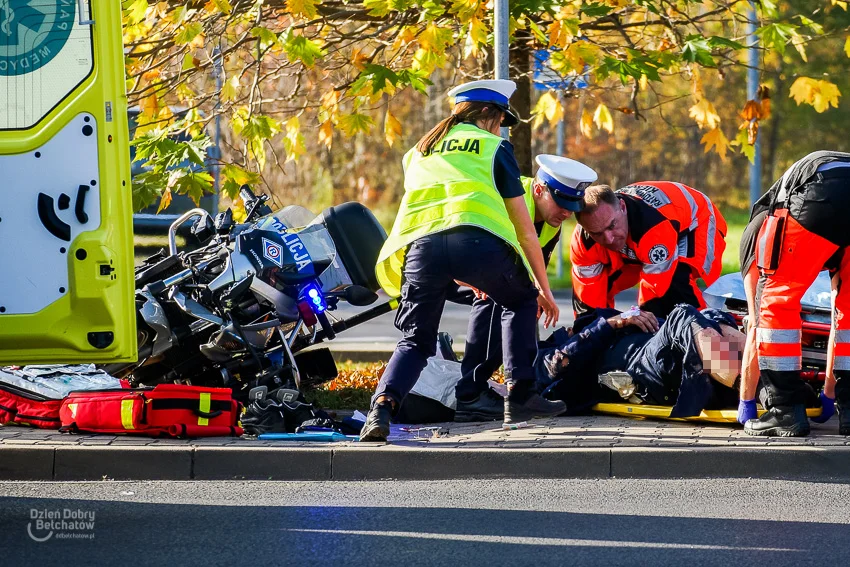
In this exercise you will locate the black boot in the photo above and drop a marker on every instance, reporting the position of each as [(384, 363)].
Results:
[(377, 427), (488, 406), (523, 403), (780, 421)]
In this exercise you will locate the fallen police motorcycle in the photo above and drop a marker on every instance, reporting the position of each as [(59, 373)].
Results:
[(241, 310)]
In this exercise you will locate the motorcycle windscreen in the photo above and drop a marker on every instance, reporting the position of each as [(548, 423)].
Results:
[(319, 244), (66, 241)]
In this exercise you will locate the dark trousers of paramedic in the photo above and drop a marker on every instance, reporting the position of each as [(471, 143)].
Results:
[(815, 229), (475, 257), (482, 354)]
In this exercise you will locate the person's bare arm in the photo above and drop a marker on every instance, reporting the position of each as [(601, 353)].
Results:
[(750, 362), (518, 213)]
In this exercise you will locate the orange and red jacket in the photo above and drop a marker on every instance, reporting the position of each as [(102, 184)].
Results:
[(669, 223)]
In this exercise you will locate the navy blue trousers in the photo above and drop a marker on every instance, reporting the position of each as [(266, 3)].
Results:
[(483, 352), (433, 263)]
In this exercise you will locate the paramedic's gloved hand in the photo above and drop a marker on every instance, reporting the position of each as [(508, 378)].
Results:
[(828, 405), (747, 411)]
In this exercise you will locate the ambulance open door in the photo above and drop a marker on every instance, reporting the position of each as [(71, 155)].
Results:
[(66, 238)]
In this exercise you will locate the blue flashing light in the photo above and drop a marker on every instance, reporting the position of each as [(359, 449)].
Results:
[(317, 301)]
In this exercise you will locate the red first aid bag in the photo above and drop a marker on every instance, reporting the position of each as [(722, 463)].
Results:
[(171, 410), (19, 406)]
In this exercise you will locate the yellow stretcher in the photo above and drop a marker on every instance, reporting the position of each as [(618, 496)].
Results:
[(663, 412)]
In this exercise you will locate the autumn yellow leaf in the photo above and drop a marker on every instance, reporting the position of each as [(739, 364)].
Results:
[(603, 119), (326, 133), (840, 3), (302, 8), (752, 132), (799, 44), (704, 114), (586, 124), (293, 143), (765, 109), (715, 139), (819, 94), (549, 107), (359, 59), (164, 201), (559, 35), (847, 46), (476, 38), (752, 111), (392, 128), (230, 88)]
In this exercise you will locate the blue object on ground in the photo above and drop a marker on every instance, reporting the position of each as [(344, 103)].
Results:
[(309, 436), (828, 409), (747, 411)]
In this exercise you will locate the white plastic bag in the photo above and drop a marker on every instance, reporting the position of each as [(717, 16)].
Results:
[(438, 381)]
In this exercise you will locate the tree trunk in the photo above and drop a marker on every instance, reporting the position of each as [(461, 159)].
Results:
[(520, 55)]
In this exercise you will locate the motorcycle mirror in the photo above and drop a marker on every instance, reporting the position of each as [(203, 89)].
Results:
[(359, 296), (224, 222), (203, 229), (237, 290)]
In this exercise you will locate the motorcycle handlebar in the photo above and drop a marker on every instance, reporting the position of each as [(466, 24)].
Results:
[(247, 195)]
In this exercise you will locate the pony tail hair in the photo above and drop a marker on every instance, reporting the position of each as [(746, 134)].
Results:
[(437, 133)]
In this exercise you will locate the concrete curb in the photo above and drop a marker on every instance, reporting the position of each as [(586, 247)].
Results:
[(412, 463)]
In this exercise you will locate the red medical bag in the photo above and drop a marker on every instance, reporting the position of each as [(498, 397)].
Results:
[(170, 410), (23, 407)]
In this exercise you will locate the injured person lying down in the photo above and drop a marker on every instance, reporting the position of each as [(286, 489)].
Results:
[(690, 360)]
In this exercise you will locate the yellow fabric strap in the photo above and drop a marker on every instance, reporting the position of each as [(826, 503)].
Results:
[(205, 407), (127, 413)]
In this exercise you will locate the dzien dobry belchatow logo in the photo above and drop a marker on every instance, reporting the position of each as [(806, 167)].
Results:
[(65, 523)]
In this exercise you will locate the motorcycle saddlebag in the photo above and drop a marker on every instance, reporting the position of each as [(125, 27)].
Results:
[(22, 407), (167, 410)]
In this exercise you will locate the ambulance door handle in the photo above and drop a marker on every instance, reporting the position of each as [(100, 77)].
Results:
[(80, 205), (81, 4)]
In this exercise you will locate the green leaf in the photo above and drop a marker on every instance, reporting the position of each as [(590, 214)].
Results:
[(223, 6), (191, 183), (235, 177), (353, 123), (594, 10), (811, 24), (538, 32), (266, 36), (377, 8), (716, 42), (135, 11), (299, 48), (697, 50), (776, 36), (188, 33)]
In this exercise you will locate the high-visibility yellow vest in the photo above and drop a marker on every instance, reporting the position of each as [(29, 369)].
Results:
[(451, 186), (548, 232)]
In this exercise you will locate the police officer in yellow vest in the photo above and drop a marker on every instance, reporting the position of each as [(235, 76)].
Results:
[(552, 196), (463, 217)]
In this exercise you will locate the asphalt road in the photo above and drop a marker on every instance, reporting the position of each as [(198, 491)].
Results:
[(509, 522), (454, 320)]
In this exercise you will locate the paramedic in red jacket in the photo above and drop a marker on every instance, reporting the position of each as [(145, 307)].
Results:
[(660, 235)]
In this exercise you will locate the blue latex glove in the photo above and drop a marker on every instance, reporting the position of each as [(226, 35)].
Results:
[(747, 411), (828, 409)]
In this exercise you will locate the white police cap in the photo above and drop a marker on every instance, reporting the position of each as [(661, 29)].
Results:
[(494, 91), (566, 180)]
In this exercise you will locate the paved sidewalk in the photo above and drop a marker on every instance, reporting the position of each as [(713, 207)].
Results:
[(566, 447)]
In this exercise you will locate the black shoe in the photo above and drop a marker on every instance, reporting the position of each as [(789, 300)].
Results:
[(780, 421), (377, 427), (488, 406), (522, 406), (263, 416)]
